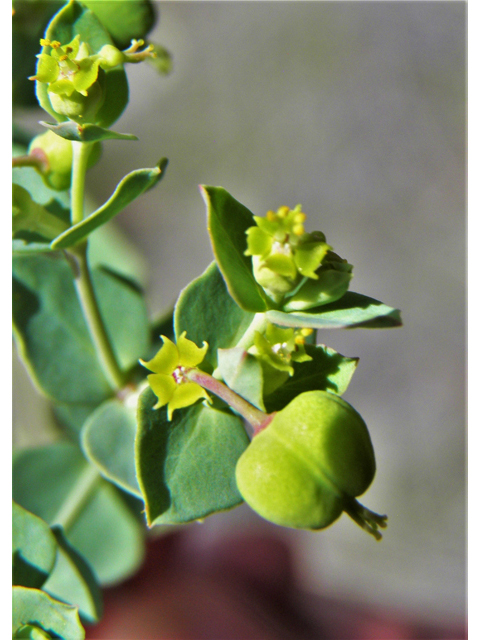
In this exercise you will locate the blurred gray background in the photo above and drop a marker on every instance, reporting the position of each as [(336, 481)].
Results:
[(357, 111)]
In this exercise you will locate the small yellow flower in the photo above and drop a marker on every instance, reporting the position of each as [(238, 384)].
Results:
[(168, 380)]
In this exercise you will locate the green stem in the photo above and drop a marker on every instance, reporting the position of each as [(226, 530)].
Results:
[(81, 151), (91, 312), (77, 498), (82, 276), (259, 323), (258, 419)]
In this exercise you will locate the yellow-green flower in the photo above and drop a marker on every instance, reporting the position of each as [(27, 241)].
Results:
[(282, 252), (73, 74), (168, 380), (277, 350), (280, 347)]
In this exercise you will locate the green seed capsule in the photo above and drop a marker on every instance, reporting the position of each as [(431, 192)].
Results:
[(78, 107), (309, 464), (58, 156), (58, 153)]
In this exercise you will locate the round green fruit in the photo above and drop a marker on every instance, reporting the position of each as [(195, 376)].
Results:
[(308, 465), (58, 152), (59, 156)]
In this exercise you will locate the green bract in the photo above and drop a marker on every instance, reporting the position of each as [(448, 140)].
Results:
[(309, 464), (168, 381)]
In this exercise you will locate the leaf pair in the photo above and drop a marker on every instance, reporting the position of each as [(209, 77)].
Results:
[(48, 480), (48, 573)]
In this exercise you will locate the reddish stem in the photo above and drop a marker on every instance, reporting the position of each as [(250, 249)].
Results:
[(257, 418)]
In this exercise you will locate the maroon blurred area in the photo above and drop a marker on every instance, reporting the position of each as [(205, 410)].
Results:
[(239, 589)]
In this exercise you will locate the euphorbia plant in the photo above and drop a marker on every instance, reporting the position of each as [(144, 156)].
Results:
[(227, 399)]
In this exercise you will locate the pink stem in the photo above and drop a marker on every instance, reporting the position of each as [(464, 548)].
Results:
[(258, 419)]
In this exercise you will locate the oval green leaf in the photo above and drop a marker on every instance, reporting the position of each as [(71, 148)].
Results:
[(108, 440), (73, 580), (124, 20), (206, 311), (34, 548), (32, 607), (228, 221), (53, 339), (186, 467)]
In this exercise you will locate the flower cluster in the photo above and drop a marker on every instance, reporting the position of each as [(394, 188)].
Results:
[(277, 349), (73, 74), (282, 252)]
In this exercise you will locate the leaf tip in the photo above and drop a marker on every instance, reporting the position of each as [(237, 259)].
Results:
[(162, 164)]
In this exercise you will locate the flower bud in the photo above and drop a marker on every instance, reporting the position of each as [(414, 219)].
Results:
[(309, 464), (110, 56)]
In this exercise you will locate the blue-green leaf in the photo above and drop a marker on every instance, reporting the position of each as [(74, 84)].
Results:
[(186, 467), (326, 371), (108, 440), (34, 548), (124, 20), (102, 528), (35, 608), (352, 310), (52, 335), (207, 312), (228, 221), (132, 186), (73, 581)]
